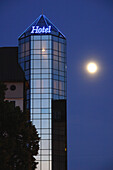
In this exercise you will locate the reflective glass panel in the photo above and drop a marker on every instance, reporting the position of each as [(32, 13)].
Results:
[(55, 84), (44, 144), (36, 111), (36, 103), (45, 103), (44, 44), (36, 83), (55, 65), (61, 85), (22, 48), (36, 123), (36, 116), (55, 45), (45, 63), (45, 83), (36, 64), (37, 45), (27, 46), (36, 51)]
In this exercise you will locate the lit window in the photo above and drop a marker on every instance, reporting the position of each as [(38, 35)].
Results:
[(43, 49)]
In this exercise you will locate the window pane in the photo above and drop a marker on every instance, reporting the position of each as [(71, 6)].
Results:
[(36, 123), (55, 71), (44, 44), (46, 75), (36, 83), (37, 51), (36, 64), (45, 123), (36, 103), (37, 57), (44, 51), (35, 95), (35, 76), (55, 64), (37, 45), (45, 151), (60, 92), (46, 70), (55, 38), (45, 95), (22, 47), (61, 59), (61, 73), (27, 65), (45, 64), (45, 37), (61, 47), (27, 53), (55, 77), (55, 45), (27, 46), (45, 116), (61, 54), (45, 83), (35, 70), (61, 78), (55, 84), (45, 90), (36, 116), (61, 85), (44, 144), (44, 57), (46, 131), (36, 111), (37, 37), (55, 52), (45, 103), (55, 92), (34, 90), (55, 57), (45, 111), (61, 66)]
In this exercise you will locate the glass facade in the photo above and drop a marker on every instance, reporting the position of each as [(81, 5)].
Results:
[(43, 59)]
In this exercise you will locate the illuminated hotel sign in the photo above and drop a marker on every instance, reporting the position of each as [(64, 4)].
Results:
[(39, 30)]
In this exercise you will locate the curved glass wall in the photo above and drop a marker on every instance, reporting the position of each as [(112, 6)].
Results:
[(43, 59)]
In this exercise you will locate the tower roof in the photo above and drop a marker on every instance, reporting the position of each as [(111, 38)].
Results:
[(42, 26)]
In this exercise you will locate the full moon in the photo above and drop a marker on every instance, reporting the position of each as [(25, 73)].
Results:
[(92, 68)]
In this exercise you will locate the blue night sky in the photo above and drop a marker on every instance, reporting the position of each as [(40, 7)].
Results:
[(88, 26)]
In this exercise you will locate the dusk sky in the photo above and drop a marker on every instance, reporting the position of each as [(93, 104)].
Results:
[(88, 26)]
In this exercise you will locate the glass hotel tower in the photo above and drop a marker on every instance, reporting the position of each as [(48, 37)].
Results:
[(42, 56)]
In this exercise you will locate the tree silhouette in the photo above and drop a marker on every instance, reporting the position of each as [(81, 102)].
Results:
[(19, 141)]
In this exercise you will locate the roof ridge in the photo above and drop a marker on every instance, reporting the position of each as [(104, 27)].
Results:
[(45, 20), (30, 26), (55, 27)]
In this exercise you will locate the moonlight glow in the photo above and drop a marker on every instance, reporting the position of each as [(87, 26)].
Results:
[(92, 68)]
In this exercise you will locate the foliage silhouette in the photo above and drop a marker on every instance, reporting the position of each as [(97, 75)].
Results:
[(19, 140)]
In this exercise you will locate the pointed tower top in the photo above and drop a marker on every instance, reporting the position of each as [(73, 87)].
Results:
[(42, 26)]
